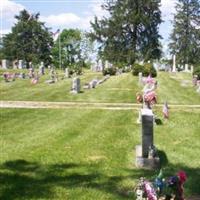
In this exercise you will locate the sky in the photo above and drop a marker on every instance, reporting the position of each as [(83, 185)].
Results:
[(60, 14)]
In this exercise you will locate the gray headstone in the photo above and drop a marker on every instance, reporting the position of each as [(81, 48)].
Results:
[(140, 78), (15, 64), (41, 68), (76, 85), (147, 131), (66, 73), (4, 64)]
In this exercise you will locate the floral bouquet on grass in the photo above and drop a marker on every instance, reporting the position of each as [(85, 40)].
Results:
[(170, 188)]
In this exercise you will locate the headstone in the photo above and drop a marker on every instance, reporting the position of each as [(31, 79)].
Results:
[(174, 64), (186, 68), (192, 69), (41, 68), (106, 64), (20, 65), (146, 156), (15, 64), (66, 73), (140, 78), (4, 64), (76, 85)]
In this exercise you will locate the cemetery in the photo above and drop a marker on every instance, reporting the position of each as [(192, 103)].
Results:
[(106, 113)]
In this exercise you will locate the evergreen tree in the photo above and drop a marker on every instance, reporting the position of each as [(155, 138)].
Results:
[(185, 37), (130, 32), (29, 40)]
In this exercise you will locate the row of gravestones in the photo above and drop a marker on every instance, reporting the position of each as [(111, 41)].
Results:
[(16, 64)]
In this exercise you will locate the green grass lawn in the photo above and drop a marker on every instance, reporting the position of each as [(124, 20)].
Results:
[(117, 89), (89, 154)]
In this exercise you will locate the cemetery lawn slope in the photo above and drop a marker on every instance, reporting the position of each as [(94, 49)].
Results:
[(87, 154), (116, 89)]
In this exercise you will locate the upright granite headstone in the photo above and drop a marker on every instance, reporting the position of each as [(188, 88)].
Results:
[(76, 85), (4, 64), (145, 153), (174, 64), (41, 68), (15, 64), (66, 73), (186, 68), (20, 65), (140, 78), (147, 131)]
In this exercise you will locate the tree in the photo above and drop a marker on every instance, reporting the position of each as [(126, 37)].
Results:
[(185, 37), (29, 40), (75, 48), (130, 32)]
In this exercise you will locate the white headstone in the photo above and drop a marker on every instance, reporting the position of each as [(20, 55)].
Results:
[(186, 68), (174, 64), (20, 65), (15, 64), (192, 69), (41, 68), (4, 64), (66, 73), (106, 64), (140, 78)]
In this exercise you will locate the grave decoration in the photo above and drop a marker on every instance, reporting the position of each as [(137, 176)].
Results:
[(168, 188), (165, 110), (8, 77)]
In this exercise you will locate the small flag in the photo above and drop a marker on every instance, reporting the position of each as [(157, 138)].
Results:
[(166, 111), (56, 34)]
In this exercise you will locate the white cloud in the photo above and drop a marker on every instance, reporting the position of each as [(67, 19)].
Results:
[(62, 19), (10, 8), (72, 20)]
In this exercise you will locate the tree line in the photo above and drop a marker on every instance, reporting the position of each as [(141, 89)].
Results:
[(129, 34)]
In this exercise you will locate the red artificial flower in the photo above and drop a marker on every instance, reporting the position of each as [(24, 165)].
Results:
[(182, 176)]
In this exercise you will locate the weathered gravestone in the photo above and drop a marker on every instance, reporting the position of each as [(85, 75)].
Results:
[(15, 64), (21, 64), (76, 85), (66, 73), (174, 64), (4, 64), (41, 69), (146, 156), (140, 82)]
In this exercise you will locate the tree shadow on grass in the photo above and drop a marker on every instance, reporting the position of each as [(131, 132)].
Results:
[(21, 179)]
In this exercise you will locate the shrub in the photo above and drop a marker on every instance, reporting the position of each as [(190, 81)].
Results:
[(146, 69), (136, 69), (110, 71), (197, 72)]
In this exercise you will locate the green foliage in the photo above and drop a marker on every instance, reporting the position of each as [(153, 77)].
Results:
[(146, 69), (130, 32), (137, 68), (29, 40), (110, 71), (197, 72), (185, 37), (75, 49)]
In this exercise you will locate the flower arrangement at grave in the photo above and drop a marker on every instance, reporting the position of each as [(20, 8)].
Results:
[(169, 188), (148, 95)]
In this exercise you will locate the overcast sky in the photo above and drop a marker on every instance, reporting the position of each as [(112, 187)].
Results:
[(71, 14)]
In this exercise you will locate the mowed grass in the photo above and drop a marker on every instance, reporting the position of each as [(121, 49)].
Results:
[(116, 89), (89, 154), (120, 89)]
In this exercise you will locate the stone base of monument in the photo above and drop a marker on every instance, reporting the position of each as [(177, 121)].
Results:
[(146, 163)]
